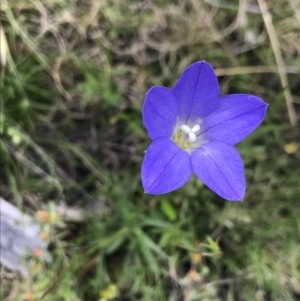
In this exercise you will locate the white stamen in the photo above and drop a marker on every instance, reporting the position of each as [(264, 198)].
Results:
[(192, 137), (191, 131), (195, 128), (185, 128)]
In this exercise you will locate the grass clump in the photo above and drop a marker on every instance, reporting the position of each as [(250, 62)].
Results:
[(73, 79)]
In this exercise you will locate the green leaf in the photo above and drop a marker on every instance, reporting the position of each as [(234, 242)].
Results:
[(168, 209)]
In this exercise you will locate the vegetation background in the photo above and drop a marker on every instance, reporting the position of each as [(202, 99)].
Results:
[(73, 78)]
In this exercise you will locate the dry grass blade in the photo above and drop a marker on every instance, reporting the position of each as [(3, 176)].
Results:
[(32, 166), (3, 47), (279, 60), (253, 69), (296, 8)]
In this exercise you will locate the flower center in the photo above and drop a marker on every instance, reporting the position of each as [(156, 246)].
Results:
[(185, 137)]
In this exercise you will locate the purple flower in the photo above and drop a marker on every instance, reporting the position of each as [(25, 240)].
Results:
[(194, 129)]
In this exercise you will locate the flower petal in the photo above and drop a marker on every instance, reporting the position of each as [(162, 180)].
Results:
[(160, 112), (166, 167), (220, 167), (197, 92), (237, 116)]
